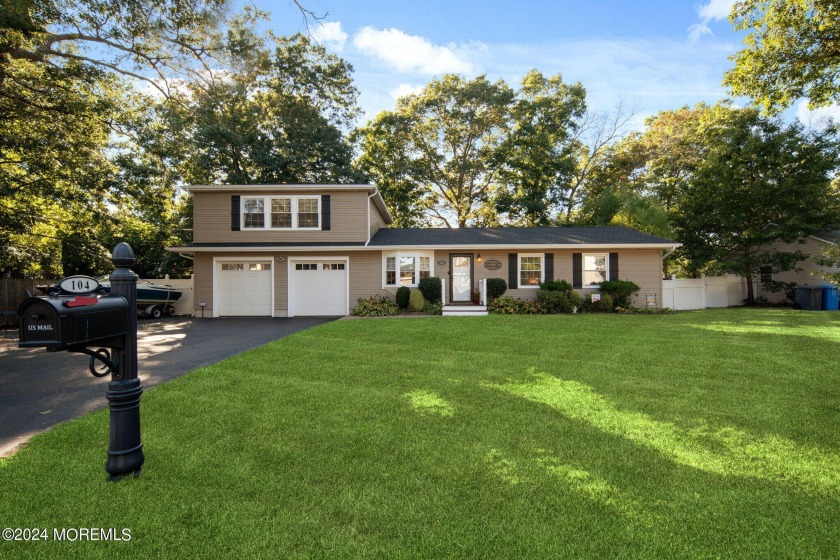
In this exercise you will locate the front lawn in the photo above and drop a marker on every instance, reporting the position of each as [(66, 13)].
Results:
[(712, 434)]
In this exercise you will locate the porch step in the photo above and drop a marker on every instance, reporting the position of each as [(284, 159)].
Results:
[(464, 310)]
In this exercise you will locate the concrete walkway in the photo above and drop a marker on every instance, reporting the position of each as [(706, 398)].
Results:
[(39, 390)]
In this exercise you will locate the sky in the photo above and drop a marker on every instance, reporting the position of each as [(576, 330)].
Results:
[(648, 55)]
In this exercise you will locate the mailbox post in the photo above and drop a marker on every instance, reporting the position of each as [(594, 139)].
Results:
[(78, 317), (125, 450)]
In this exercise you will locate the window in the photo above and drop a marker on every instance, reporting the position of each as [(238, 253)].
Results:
[(333, 266), (259, 266), (254, 213), (530, 271), (425, 267), (233, 266), (307, 212), (595, 269), (306, 266), (281, 212), (766, 272), (406, 269)]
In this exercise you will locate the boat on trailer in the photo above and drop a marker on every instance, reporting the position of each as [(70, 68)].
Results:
[(153, 300)]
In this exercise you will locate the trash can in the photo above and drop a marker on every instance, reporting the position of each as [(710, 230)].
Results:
[(830, 297), (809, 298)]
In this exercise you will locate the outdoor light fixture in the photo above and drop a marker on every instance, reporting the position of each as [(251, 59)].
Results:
[(478, 258)]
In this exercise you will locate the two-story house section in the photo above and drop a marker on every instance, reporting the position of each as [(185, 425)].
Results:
[(309, 250)]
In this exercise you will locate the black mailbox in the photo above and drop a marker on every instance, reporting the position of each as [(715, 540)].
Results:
[(73, 322)]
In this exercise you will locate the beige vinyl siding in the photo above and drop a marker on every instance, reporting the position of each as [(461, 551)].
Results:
[(212, 220), (376, 220), (809, 273), (642, 266)]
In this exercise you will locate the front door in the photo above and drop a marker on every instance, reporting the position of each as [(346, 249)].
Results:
[(461, 277)]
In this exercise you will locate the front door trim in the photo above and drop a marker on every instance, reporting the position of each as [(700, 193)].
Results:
[(452, 275)]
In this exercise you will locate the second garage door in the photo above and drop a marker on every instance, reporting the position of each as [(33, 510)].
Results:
[(318, 287)]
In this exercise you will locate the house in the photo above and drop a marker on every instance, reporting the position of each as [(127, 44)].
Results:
[(808, 271), (300, 250)]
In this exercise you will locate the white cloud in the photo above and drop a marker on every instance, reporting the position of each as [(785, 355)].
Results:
[(817, 117), (411, 53), (403, 90), (713, 10), (330, 33)]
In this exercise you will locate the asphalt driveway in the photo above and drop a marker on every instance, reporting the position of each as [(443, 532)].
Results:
[(39, 390)]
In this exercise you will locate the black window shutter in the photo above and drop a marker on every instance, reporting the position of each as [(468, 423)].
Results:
[(577, 270), (325, 211), (513, 271), (549, 267), (613, 267), (234, 213)]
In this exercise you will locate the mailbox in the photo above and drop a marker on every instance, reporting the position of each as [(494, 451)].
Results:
[(73, 322)]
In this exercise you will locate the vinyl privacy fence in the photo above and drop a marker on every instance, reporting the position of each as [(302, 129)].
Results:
[(704, 292)]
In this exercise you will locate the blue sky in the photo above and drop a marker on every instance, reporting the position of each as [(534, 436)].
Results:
[(651, 55)]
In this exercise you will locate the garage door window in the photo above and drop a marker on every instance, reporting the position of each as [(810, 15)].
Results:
[(233, 266), (333, 266), (306, 266), (259, 266)]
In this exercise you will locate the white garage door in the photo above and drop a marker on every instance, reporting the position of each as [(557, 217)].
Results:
[(318, 288), (244, 288)]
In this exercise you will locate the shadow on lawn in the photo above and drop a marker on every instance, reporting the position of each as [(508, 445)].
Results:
[(725, 451)]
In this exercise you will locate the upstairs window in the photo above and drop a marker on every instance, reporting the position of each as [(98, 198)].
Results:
[(281, 212), (254, 213)]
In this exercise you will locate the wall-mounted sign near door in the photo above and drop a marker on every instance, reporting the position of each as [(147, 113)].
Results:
[(492, 264)]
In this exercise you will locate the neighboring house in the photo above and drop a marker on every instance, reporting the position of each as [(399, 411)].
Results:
[(297, 250), (809, 271)]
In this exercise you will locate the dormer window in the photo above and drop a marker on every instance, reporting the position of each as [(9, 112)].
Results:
[(281, 212)]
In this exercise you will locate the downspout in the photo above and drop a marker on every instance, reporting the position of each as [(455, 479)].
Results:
[(186, 256), (375, 190)]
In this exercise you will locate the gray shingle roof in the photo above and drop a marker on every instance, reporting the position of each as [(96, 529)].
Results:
[(573, 235)]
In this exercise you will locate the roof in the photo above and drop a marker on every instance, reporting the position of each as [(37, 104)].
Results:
[(516, 236)]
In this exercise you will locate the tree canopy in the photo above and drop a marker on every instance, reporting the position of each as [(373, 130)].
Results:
[(792, 51)]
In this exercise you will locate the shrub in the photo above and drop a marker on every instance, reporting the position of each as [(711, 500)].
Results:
[(604, 305), (620, 291), (552, 301), (433, 308), (431, 288), (556, 286), (496, 287), (376, 306), (789, 288), (416, 302), (403, 295), (512, 306)]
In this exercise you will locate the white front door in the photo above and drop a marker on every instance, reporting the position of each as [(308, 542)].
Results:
[(461, 277)]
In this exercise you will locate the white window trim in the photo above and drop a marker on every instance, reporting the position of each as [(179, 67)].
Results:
[(267, 213), (290, 305), (217, 261), (519, 270), (397, 255), (583, 269)]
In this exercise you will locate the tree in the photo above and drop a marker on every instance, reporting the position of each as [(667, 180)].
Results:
[(792, 51), (277, 119), (449, 136), (538, 156), (760, 182)]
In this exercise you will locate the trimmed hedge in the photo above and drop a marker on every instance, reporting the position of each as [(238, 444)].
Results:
[(620, 292), (403, 296), (496, 287), (431, 289)]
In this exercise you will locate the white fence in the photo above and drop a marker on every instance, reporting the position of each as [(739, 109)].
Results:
[(703, 292), (184, 306)]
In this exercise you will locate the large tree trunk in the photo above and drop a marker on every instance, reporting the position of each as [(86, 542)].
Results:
[(750, 291)]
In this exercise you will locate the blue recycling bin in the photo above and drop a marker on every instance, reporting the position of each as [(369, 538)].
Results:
[(831, 297)]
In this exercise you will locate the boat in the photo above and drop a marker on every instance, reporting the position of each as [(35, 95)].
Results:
[(152, 299)]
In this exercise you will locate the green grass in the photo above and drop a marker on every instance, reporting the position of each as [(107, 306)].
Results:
[(712, 434)]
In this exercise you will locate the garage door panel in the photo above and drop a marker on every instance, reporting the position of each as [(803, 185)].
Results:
[(319, 288), (245, 289)]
